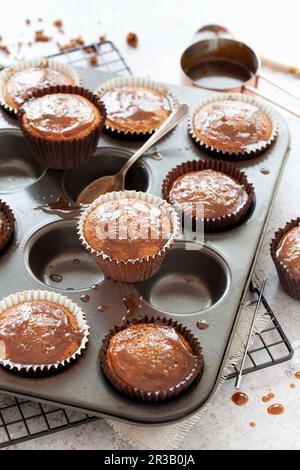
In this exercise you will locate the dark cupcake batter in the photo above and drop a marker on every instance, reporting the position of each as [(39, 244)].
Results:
[(232, 126), (150, 357), (37, 333), (288, 250), (135, 109), (219, 194)]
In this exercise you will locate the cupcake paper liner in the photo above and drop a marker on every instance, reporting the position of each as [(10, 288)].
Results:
[(289, 281), (67, 154), (27, 296), (155, 396), (133, 270), (26, 64), (135, 81), (220, 223), (6, 210), (233, 156)]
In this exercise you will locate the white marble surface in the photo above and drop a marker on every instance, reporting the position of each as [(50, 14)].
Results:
[(164, 28)]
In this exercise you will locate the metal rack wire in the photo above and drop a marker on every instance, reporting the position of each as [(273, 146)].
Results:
[(22, 420)]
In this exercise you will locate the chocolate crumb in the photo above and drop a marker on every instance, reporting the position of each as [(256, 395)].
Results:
[(28, 22), (72, 44), (4, 49), (29, 43), (90, 50), (102, 38), (132, 39), (41, 37), (59, 25), (1, 38), (94, 61), (40, 20)]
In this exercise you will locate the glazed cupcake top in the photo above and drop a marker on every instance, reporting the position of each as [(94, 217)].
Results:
[(232, 126), (38, 332), (127, 229), (288, 250), (60, 116), (150, 357), (219, 193), (20, 86), (135, 108), (4, 228)]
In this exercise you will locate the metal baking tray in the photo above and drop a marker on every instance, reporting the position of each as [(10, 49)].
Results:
[(193, 284)]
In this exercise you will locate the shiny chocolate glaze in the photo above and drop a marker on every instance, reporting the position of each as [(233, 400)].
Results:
[(232, 126), (59, 114), (136, 109), (127, 229), (3, 228), (150, 357), (21, 85), (38, 333), (219, 194), (288, 250)]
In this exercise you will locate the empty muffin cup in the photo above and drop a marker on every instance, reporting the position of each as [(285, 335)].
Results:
[(285, 253), (149, 228), (242, 195), (160, 361), (60, 141)]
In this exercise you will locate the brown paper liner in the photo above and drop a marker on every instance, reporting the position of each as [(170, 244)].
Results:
[(135, 270), (218, 224), (64, 154), (6, 210), (233, 156), (155, 396), (289, 281)]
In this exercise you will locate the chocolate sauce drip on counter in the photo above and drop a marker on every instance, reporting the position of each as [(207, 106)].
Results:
[(240, 398)]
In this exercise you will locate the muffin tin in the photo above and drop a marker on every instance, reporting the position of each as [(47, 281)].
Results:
[(193, 284)]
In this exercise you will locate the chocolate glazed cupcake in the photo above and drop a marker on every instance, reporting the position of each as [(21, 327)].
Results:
[(7, 224), (223, 190), (62, 125), (151, 359), (233, 126), (285, 252)]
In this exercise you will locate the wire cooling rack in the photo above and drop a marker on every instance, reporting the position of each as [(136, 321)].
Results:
[(22, 420)]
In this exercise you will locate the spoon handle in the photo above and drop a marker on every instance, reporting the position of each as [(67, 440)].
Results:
[(174, 118)]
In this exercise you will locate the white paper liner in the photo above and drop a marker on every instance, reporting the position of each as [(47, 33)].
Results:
[(26, 64), (235, 97), (139, 82), (135, 269), (27, 296)]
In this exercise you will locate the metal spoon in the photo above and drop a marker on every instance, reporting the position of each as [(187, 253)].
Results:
[(107, 184)]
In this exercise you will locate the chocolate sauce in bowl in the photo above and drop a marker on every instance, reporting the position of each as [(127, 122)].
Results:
[(219, 74)]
